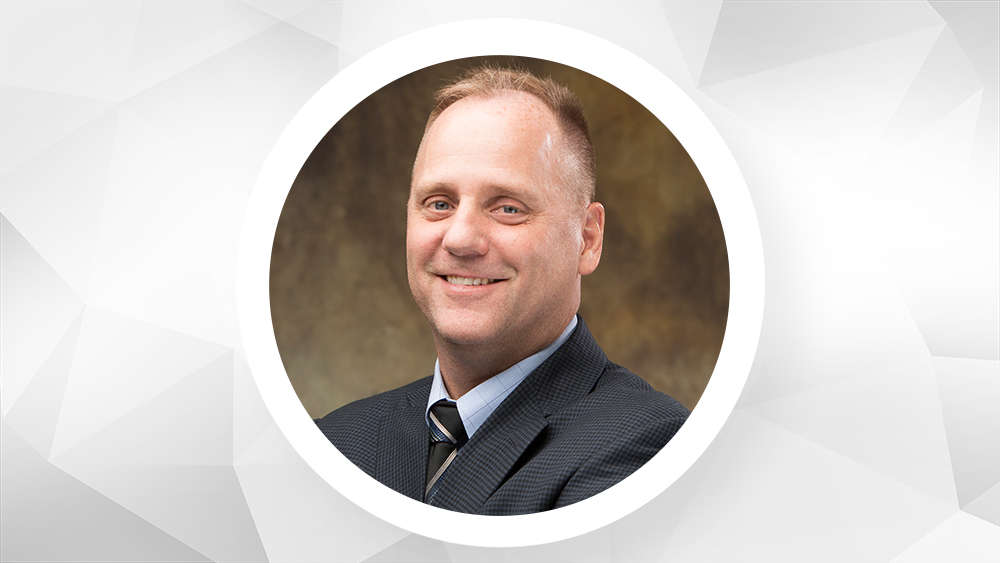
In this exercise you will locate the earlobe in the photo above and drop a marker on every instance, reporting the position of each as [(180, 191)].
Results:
[(593, 238)]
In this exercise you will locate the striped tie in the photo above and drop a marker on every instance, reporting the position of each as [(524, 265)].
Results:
[(447, 435)]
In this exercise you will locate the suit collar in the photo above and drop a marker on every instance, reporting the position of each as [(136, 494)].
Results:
[(478, 403), (487, 460), (567, 375), (403, 443)]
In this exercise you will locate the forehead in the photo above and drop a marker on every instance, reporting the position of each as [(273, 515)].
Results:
[(510, 137), (512, 110)]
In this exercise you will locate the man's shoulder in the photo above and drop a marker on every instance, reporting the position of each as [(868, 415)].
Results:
[(362, 411), (618, 389), (623, 403), (351, 427), (579, 386)]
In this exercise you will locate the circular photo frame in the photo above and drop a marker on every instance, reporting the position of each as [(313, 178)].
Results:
[(647, 86)]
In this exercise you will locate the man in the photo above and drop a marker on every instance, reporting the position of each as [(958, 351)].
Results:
[(524, 412)]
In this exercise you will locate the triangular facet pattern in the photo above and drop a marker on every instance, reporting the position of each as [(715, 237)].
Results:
[(64, 186), (298, 516), (318, 18), (810, 107), (202, 506), (693, 26), (755, 36), (943, 233), (188, 423), (757, 478), (36, 411), (69, 48), (38, 307), (48, 515), (180, 444), (946, 80), (977, 29), (868, 423), (120, 364), (168, 40), (173, 263), (595, 547), (970, 393), (416, 549), (962, 537), (43, 118), (986, 505)]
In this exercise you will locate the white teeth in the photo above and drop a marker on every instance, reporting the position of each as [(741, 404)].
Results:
[(469, 281)]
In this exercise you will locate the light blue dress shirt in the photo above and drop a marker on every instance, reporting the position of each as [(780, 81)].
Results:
[(479, 403)]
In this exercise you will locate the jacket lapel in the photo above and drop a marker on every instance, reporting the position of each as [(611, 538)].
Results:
[(403, 443), (486, 461)]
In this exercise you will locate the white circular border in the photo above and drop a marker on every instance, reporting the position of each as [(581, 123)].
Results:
[(602, 59)]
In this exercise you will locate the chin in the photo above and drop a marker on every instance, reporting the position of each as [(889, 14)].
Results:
[(465, 337), (468, 331)]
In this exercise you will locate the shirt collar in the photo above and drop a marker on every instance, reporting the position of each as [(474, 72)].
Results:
[(479, 403)]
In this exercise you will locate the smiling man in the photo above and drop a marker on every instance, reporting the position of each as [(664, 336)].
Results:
[(524, 412)]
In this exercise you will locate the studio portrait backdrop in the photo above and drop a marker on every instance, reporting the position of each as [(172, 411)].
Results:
[(345, 322)]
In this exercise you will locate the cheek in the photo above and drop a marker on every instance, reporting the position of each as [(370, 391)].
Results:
[(561, 240), (536, 253), (515, 246), (421, 238)]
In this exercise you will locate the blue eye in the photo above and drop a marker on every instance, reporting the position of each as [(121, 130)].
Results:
[(510, 209), (440, 205)]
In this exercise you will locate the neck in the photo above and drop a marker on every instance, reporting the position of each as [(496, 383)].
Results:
[(462, 371), (466, 365)]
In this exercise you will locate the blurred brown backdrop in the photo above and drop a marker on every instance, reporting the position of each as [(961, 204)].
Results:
[(345, 323)]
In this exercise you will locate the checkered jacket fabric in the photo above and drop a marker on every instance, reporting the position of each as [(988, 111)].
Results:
[(575, 426)]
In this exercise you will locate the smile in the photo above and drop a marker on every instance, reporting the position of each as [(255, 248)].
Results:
[(458, 280)]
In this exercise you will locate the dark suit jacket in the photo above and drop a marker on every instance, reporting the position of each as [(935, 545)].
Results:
[(575, 426)]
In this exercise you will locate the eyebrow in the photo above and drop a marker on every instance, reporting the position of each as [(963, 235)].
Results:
[(495, 191), (421, 189)]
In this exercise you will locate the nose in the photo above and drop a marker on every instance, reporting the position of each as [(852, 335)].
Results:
[(466, 234)]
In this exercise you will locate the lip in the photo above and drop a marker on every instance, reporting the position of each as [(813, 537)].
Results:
[(468, 289)]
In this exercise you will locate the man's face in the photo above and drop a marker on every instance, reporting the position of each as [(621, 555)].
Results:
[(495, 242)]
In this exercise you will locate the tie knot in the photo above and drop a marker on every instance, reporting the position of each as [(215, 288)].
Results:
[(446, 423)]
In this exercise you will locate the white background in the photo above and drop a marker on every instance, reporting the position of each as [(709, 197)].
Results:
[(132, 137)]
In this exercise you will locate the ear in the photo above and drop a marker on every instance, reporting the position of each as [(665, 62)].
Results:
[(593, 238)]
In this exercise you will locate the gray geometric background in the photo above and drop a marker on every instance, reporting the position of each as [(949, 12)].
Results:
[(133, 131)]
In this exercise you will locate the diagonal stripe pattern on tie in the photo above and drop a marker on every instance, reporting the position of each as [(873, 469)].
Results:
[(447, 434)]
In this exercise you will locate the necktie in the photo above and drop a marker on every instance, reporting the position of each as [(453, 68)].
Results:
[(447, 435)]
